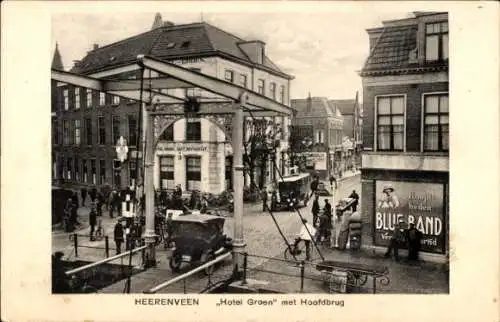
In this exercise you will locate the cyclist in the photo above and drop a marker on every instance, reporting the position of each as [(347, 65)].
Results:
[(306, 234)]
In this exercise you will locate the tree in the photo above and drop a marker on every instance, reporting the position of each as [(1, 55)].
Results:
[(299, 141), (260, 142)]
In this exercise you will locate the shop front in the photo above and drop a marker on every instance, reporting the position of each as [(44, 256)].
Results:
[(193, 166)]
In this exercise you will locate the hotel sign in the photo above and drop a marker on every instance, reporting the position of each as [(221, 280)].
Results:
[(185, 61), (182, 147), (411, 202)]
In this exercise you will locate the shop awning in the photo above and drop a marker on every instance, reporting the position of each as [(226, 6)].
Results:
[(171, 77)]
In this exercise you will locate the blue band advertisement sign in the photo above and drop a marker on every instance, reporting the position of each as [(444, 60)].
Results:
[(411, 202)]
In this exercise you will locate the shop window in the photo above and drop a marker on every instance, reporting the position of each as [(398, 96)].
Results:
[(102, 171), (168, 134), (102, 98), (390, 123), (115, 127), (167, 171), (93, 170), (436, 122), (193, 173), (193, 130), (77, 131), (101, 130), (132, 130), (436, 41)]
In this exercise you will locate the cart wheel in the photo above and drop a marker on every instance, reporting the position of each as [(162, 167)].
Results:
[(211, 269), (175, 263)]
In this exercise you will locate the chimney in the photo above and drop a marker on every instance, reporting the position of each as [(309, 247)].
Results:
[(254, 49), (168, 24), (158, 22), (374, 35), (96, 46)]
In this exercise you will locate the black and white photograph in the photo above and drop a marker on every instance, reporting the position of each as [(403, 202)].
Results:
[(202, 154), (250, 161)]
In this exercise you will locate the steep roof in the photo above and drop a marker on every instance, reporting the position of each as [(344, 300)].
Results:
[(57, 60), (344, 106), (171, 42), (319, 107)]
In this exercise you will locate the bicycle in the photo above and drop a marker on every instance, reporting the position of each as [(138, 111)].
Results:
[(297, 248)]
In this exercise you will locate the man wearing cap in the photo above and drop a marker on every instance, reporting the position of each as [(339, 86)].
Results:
[(306, 232), (398, 239)]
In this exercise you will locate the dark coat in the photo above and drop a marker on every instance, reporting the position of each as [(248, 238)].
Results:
[(92, 218), (414, 236), (118, 232), (328, 209), (315, 207), (314, 185)]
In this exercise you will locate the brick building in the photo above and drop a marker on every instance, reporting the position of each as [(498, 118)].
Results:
[(319, 122), (195, 153), (352, 129), (405, 161)]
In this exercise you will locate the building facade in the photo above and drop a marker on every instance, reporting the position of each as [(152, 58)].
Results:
[(194, 153), (405, 161), (318, 126)]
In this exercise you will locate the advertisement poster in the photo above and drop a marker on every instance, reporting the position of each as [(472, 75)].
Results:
[(316, 159), (417, 203)]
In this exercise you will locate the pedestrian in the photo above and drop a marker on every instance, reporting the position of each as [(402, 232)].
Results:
[(355, 196), (307, 232), (169, 228), (83, 193), (111, 202), (413, 237), (397, 241), (343, 229), (68, 226), (274, 200), (92, 221), (74, 212), (333, 181), (264, 199), (118, 235), (75, 199), (93, 194), (314, 186), (327, 208), (60, 283), (315, 210)]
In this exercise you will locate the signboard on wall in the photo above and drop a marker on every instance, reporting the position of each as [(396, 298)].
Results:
[(411, 202), (182, 147), (318, 159)]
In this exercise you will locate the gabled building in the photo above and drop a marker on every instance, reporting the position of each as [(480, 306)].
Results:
[(317, 126), (194, 153), (405, 161)]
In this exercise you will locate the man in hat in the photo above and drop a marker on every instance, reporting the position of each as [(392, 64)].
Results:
[(398, 239), (59, 280)]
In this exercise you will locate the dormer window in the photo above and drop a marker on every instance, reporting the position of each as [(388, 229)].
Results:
[(185, 44), (436, 41), (170, 45)]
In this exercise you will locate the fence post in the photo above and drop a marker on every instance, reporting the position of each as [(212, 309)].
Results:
[(106, 245), (75, 243), (245, 259), (302, 270)]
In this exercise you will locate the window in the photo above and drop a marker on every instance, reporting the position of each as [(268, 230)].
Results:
[(77, 98), (168, 134), (101, 129), (88, 130), (272, 90), (93, 170), (193, 91), (115, 124), (193, 173), (320, 136), (116, 100), (390, 123), (85, 171), (66, 139), (167, 172), (89, 98), (77, 131), (66, 99), (102, 99), (102, 171), (260, 86), (69, 166), (243, 80), (436, 122), (193, 130), (229, 75), (77, 169), (132, 130), (436, 41), (55, 132), (282, 94), (60, 168)]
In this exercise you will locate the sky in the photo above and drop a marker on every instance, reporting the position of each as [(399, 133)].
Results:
[(322, 50)]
